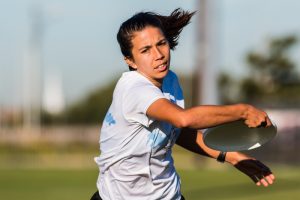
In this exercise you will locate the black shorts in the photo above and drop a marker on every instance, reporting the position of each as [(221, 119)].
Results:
[(97, 197)]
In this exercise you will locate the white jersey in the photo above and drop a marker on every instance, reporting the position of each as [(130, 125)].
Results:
[(135, 161)]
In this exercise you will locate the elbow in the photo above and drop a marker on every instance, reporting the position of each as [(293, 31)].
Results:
[(182, 121)]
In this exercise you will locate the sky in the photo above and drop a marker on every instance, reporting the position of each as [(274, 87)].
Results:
[(79, 39)]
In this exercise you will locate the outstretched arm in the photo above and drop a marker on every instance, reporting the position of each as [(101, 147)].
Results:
[(201, 117), (192, 140)]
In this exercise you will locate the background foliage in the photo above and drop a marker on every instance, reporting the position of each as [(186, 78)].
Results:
[(272, 81)]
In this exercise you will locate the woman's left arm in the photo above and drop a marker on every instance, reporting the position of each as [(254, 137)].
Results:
[(192, 140)]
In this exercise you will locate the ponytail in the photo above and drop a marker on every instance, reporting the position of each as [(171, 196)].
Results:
[(171, 25)]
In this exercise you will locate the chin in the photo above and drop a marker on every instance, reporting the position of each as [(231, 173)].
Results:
[(162, 75), (165, 72)]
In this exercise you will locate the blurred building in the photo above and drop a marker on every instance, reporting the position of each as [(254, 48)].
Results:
[(208, 57), (32, 71), (53, 96)]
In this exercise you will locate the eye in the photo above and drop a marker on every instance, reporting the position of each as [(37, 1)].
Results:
[(162, 42), (145, 50)]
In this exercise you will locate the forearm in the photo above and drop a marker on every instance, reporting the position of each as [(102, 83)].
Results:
[(210, 152), (192, 140), (188, 140), (201, 117), (208, 116), (231, 157)]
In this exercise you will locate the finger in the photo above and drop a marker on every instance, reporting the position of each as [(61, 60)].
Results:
[(272, 177), (269, 179), (255, 179), (264, 182), (269, 123), (252, 124), (248, 123)]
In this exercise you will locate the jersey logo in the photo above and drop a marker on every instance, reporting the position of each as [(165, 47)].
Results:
[(109, 119)]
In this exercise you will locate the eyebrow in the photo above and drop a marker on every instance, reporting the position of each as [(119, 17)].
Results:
[(149, 46), (145, 47)]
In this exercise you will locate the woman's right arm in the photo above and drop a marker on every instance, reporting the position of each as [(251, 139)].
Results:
[(206, 116), (192, 140)]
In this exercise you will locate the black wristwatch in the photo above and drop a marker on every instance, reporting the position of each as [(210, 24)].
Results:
[(221, 157)]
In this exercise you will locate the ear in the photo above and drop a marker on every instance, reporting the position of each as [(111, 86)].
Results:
[(130, 62)]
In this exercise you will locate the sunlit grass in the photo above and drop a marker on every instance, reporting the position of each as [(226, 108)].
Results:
[(196, 184), (69, 172)]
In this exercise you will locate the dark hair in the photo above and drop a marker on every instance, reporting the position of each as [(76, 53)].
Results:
[(171, 26)]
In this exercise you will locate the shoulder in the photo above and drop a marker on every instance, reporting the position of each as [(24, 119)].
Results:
[(133, 85), (132, 79)]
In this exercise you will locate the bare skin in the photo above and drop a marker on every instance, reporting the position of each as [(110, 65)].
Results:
[(151, 54), (234, 158), (151, 58), (192, 140)]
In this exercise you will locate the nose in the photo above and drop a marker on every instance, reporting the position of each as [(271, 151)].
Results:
[(158, 55)]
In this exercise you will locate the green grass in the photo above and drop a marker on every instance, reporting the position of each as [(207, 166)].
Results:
[(231, 184), (47, 184), (33, 184)]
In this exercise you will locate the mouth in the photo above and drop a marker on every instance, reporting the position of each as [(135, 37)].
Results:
[(162, 67)]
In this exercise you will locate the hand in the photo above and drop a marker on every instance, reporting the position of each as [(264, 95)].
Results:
[(257, 171), (256, 118)]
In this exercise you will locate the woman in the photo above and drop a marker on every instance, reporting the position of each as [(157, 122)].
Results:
[(147, 117)]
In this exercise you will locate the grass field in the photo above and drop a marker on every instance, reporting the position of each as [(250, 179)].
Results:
[(68, 172), (34, 184)]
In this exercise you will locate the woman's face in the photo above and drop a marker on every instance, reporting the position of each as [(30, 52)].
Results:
[(151, 54)]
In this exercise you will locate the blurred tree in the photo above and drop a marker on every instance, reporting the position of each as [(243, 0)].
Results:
[(227, 89), (186, 83), (92, 108), (273, 80), (89, 110)]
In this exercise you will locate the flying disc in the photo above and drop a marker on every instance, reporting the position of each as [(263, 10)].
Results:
[(237, 136)]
